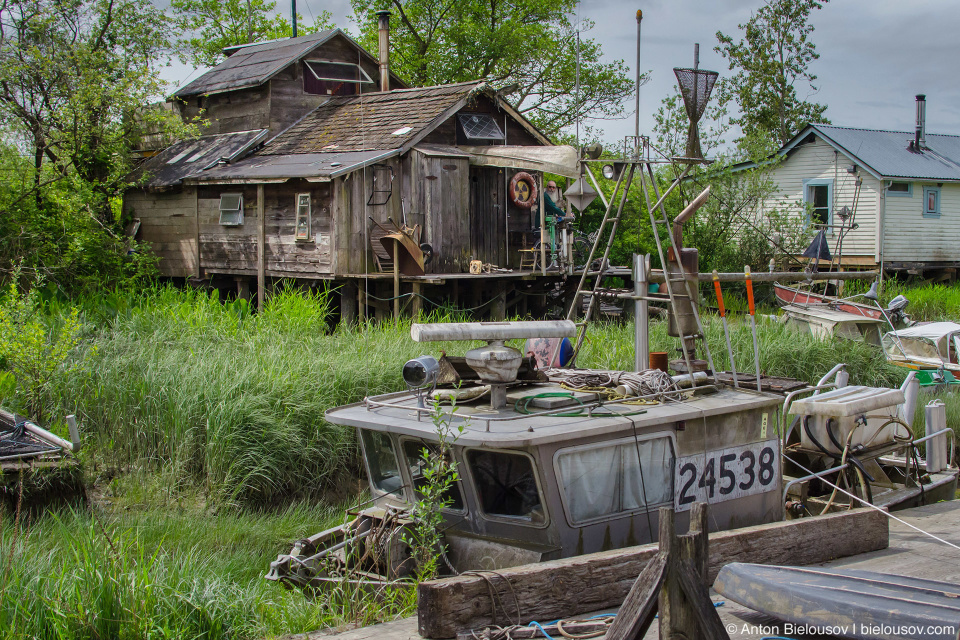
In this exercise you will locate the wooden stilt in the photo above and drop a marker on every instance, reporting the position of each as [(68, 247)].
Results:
[(416, 302), (396, 279), (348, 303)]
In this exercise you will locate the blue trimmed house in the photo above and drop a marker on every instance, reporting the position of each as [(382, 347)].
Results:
[(908, 205)]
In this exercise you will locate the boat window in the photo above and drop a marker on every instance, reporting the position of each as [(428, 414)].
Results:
[(911, 347), (606, 479), (506, 484), (381, 462), (413, 452)]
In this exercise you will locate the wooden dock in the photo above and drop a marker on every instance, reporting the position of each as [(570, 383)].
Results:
[(909, 553)]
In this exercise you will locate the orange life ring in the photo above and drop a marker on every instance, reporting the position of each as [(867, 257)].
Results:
[(523, 190)]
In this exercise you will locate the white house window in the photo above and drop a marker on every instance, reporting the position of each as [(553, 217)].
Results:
[(900, 189), (931, 202), (818, 198), (303, 216), (231, 209)]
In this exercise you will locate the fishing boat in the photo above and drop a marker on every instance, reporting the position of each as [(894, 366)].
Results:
[(797, 297), (569, 462)]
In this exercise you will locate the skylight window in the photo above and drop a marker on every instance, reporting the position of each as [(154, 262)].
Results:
[(402, 131), (480, 126)]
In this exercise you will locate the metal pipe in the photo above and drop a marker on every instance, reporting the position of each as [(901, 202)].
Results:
[(819, 474), (637, 114), (293, 17), (383, 23), (43, 434), (641, 328)]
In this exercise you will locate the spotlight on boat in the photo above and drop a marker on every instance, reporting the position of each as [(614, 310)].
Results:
[(421, 372), (872, 294), (593, 150)]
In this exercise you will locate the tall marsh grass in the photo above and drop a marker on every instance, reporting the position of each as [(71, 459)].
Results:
[(135, 575), (219, 397)]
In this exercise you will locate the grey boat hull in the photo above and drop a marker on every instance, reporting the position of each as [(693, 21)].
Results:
[(864, 604)]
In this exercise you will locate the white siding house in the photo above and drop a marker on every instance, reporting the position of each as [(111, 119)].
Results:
[(908, 206)]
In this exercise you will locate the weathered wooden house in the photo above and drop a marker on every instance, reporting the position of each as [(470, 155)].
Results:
[(901, 188), (294, 186)]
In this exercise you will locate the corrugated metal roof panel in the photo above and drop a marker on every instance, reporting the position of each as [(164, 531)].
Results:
[(190, 157), (888, 152), (301, 165), (255, 64)]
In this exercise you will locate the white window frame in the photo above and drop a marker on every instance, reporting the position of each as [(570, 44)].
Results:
[(238, 220), (300, 237), (364, 78)]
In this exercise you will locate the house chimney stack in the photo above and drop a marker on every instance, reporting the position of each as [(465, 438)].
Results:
[(920, 140), (383, 19)]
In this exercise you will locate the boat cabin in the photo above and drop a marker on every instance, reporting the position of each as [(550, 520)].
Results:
[(545, 471), (934, 345)]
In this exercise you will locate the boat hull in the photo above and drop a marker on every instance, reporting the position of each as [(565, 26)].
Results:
[(789, 295), (859, 604)]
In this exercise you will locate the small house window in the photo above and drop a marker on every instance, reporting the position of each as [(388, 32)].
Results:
[(231, 209), (303, 216), (818, 197), (326, 77), (900, 189), (506, 485), (931, 202)]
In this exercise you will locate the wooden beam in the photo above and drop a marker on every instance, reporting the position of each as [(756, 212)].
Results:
[(261, 249), (573, 586), (656, 275), (396, 279)]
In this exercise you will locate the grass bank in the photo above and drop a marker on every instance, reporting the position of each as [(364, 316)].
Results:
[(151, 570)]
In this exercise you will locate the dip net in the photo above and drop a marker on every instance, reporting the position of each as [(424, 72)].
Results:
[(695, 87)]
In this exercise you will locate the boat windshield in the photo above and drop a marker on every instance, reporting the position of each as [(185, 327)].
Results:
[(382, 462), (413, 450), (506, 485), (909, 348)]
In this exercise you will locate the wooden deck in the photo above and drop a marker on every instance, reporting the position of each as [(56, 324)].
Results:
[(910, 553)]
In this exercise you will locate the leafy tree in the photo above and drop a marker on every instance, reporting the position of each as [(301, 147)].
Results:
[(213, 25), (528, 45), (74, 75), (771, 60)]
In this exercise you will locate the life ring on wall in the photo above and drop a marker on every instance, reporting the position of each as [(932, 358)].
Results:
[(523, 190)]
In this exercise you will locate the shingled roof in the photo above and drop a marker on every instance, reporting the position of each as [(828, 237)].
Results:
[(252, 65), (373, 121)]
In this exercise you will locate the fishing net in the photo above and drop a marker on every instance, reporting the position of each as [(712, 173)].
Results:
[(695, 87), (17, 442)]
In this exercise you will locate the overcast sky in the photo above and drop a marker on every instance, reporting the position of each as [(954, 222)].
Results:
[(875, 55)]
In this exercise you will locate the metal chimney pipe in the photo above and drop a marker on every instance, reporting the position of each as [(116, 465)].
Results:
[(293, 17), (921, 121), (383, 20)]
